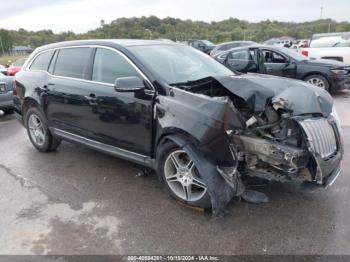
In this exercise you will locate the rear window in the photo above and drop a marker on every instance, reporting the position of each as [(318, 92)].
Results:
[(73, 62), (42, 61)]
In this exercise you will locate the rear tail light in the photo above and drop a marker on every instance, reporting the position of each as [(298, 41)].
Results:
[(305, 53)]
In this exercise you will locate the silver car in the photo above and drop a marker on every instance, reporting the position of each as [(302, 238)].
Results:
[(6, 93)]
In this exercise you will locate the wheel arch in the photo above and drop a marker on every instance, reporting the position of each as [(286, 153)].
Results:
[(314, 73), (28, 102), (176, 135)]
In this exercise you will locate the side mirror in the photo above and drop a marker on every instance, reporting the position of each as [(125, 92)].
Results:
[(129, 84)]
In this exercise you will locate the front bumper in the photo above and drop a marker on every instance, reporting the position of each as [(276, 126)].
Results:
[(339, 82)]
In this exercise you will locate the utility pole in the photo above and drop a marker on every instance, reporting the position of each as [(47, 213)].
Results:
[(244, 31), (321, 13), (329, 27)]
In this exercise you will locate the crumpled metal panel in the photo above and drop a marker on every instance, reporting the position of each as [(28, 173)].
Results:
[(258, 90)]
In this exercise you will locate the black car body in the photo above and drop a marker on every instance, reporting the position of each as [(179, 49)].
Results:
[(229, 45), (279, 61), (174, 109), (202, 45)]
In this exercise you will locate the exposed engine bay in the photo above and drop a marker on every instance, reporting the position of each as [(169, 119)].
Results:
[(269, 138)]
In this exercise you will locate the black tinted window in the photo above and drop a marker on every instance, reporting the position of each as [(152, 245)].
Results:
[(42, 61), (72, 62), (109, 66)]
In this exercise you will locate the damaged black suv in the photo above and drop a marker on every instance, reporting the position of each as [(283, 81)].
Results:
[(169, 107)]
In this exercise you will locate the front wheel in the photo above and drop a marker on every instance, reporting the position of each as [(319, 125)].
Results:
[(319, 81), (38, 131), (181, 177)]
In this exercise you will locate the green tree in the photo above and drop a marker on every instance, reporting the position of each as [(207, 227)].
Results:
[(6, 41)]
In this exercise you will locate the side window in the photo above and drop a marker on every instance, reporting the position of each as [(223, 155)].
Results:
[(277, 58), (109, 65), (344, 44), (42, 61), (243, 55), (73, 62), (273, 57)]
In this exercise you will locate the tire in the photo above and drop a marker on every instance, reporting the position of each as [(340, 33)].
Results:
[(179, 181), (38, 131), (318, 80)]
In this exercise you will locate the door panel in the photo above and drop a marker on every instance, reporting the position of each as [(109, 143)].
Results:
[(279, 65), (121, 119)]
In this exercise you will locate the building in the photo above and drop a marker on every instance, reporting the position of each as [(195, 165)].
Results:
[(21, 50)]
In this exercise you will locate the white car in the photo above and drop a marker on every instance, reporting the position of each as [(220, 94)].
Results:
[(335, 48), (3, 70)]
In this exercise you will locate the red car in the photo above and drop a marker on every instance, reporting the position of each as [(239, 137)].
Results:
[(15, 67)]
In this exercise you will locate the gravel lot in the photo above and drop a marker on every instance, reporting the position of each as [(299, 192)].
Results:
[(79, 201)]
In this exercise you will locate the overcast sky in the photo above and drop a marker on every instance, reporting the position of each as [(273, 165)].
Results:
[(82, 15)]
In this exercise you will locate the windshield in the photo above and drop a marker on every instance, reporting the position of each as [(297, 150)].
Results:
[(293, 54), (179, 63)]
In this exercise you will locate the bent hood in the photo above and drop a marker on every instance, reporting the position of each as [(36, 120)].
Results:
[(259, 90)]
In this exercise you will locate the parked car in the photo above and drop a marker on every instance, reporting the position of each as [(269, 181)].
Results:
[(6, 96), (3, 70), (171, 108), (279, 61), (332, 48), (15, 67), (278, 42), (202, 45), (229, 45), (300, 43)]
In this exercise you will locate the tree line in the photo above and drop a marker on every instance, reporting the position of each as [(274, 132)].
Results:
[(176, 29)]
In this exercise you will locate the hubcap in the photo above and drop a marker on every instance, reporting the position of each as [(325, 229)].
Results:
[(317, 82), (182, 177), (36, 130)]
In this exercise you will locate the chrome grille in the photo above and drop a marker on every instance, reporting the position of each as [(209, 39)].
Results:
[(320, 135)]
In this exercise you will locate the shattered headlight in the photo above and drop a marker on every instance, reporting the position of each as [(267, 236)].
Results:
[(336, 118), (340, 71)]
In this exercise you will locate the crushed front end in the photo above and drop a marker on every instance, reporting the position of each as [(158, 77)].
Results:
[(254, 126), (304, 148), (294, 137)]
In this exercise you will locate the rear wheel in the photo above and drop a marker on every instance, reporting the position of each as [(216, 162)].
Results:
[(38, 131), (181, 177), (319, 81)]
